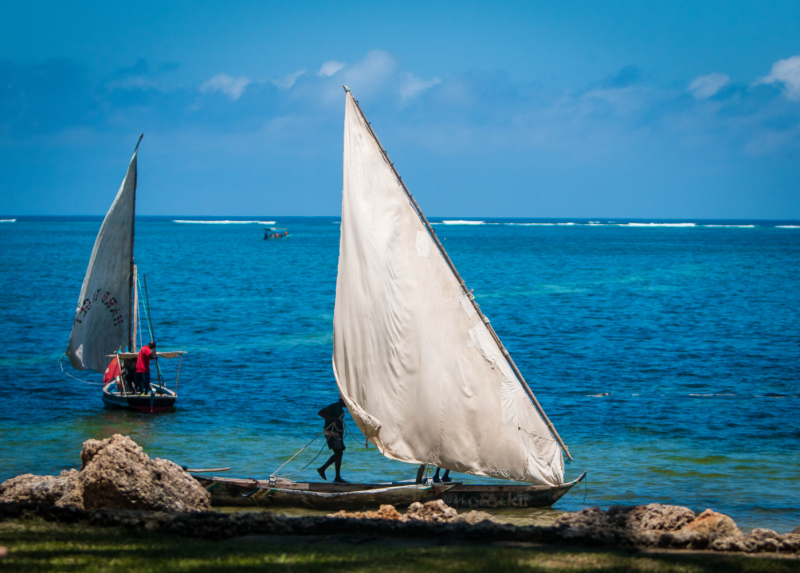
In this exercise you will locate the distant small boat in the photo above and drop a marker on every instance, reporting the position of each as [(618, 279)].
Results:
[(276, 233), (227, 492)]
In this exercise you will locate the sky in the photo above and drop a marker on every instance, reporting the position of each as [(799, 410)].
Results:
[(626, 109)]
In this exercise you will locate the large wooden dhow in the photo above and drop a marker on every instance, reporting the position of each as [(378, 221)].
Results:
[(232, 492), (423, 373), (227, 492)]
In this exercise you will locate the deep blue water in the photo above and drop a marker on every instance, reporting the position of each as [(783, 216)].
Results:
[(667, 357)]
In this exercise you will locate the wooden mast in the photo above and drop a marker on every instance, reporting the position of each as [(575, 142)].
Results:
[(135, 314), (132, 330), (467, 292)]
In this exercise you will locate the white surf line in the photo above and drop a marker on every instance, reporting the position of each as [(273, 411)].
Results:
[(657, 224), (8, 220), (613, 224), (224, 222)]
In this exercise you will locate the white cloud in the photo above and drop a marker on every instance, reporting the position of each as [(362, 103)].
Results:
[(288, 81), (330, 68), (704, 87), (413, 85), (370, 72), (786, 72), (233, 87)]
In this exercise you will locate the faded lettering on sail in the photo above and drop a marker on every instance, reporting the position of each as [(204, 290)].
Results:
[(421, 374), (102, 318)]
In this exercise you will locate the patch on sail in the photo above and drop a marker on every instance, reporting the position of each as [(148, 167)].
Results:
[(423, 244), (468, 307), (509, 386)]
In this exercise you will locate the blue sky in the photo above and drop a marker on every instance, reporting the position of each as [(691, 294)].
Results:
[(531, 109)]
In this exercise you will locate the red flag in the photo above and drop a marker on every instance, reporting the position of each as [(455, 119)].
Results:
[(112, 371)]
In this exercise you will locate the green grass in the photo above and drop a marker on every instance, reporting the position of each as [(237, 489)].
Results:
[(35, 545)]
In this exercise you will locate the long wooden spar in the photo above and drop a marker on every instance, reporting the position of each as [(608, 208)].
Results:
[(132, 329), (463, 285)]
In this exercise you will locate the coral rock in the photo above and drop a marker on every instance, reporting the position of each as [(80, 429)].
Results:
[(713, 523), (436, 511), (474, 517), (116, 474), (655, 517), (658, 517), (385, 512)]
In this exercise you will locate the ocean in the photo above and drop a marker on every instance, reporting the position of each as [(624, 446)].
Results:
[(666, 353)]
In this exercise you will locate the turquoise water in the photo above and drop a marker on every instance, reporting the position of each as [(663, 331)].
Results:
[(668, 357)]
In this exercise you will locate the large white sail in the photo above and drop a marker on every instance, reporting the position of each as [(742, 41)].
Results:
[(102, 319), (420, 372)]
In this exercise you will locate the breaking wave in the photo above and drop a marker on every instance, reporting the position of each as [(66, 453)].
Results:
[(8, 220), (657, 224), (632, 224), (226, 222)]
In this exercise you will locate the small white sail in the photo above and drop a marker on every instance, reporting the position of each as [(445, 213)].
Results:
[(102, 319), (421, 374)]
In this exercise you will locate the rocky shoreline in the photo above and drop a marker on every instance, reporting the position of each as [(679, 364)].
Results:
[(592, 527), (120, 486)]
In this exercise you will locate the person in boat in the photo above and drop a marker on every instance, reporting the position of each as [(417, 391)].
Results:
[(334, 434), (142, 380), (445, 478)]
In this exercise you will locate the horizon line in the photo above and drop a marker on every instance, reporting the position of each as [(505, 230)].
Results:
[(444, 217)]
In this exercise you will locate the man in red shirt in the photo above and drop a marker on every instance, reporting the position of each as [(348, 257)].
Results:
[(143, 367)]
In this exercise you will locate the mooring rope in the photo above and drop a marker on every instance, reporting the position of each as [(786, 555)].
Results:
[(275, 473), (585, 487), (304, 467)]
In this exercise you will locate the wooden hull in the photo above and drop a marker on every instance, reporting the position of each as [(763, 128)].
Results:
[(325, 496), (471, 496), (145, 403)]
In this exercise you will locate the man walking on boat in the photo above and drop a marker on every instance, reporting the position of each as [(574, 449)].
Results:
[(334, 434), (142, 379)]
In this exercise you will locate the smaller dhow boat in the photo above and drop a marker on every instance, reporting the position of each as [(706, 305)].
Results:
[(119, 390), (107, 315)]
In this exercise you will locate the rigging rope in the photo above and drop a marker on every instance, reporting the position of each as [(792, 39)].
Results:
[(61, 363), (150, 329), (304, 467), (275, 473), (147, 310), (344, 433), (138, 317)]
